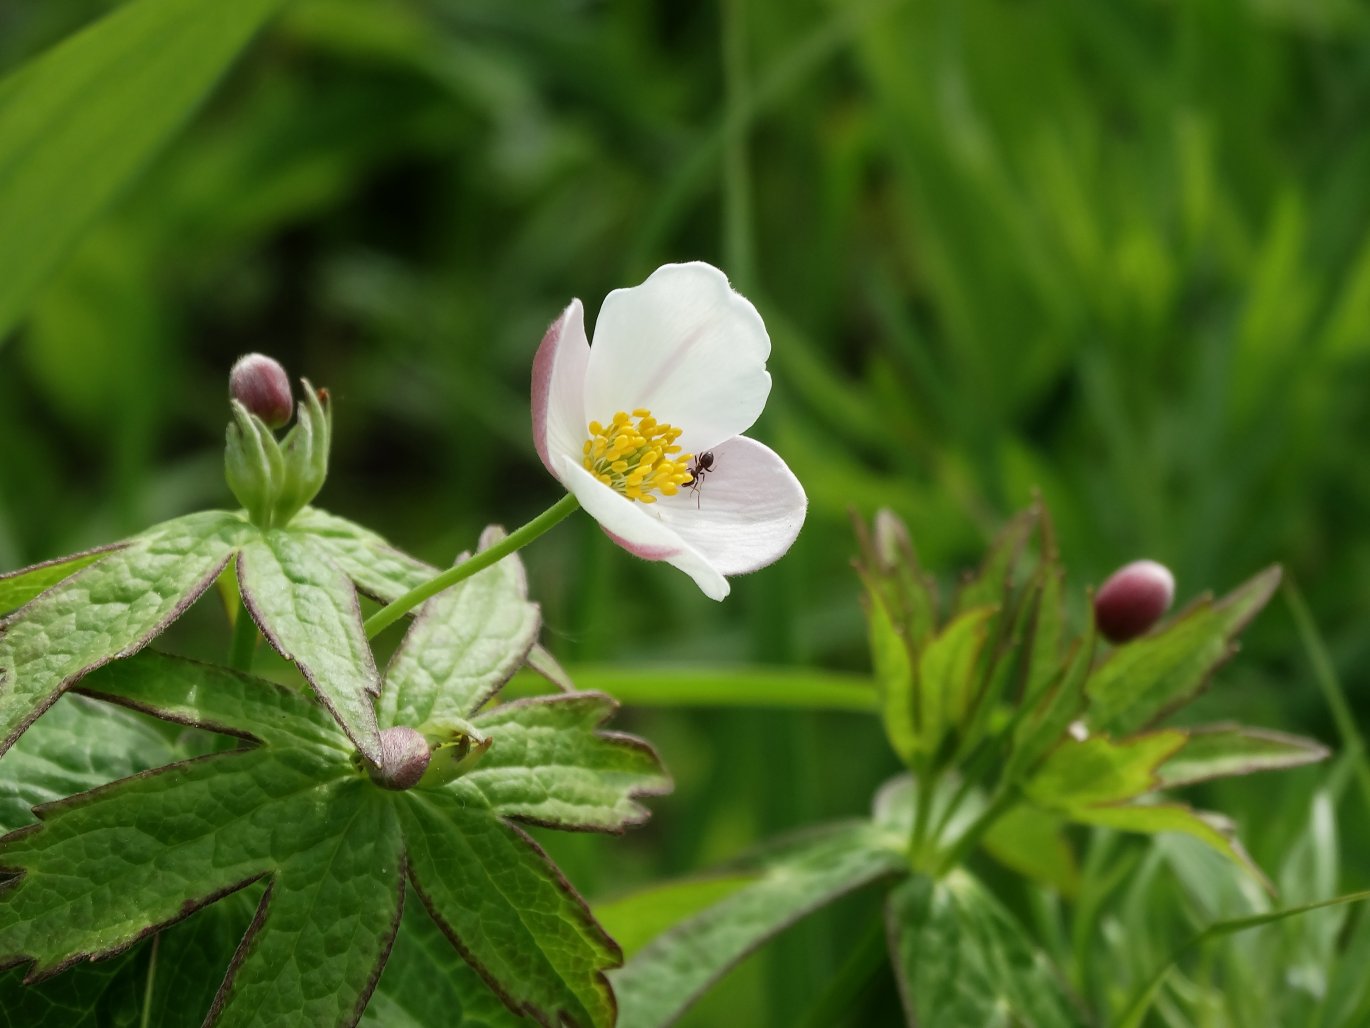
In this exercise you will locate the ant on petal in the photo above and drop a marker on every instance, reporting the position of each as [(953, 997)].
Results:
[(703, 464)]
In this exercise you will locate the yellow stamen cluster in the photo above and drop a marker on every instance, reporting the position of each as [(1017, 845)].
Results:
[(637, 460)]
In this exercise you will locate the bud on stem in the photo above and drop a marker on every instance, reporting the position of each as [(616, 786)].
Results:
[(261, 385), (1133, 599)]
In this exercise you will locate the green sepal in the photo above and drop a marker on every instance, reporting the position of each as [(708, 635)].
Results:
[(274, 480), (1099, 770)]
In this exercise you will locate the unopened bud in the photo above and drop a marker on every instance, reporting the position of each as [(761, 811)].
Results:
[(261, 385), (404, 758), (1133, 600)]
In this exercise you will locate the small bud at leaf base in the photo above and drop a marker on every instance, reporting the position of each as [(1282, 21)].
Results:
[(404, 758), (261, 385), (1133, 600)]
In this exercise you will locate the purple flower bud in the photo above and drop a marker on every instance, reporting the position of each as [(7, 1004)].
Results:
[(261, 385), (404, 758), (1133, 600)]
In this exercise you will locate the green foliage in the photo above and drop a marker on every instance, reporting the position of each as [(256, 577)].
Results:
[(335, 851), (80, 122), (961, 959)]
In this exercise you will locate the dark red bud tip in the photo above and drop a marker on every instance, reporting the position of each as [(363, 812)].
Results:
[(261, 385), (1133, 600), (404, 758)]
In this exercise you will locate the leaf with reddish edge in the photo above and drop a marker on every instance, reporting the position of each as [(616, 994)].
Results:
[(307, 609), (473, 871), (108, 867), (555, 739), (18, 587), (107, 610), (379, 570), (1222, 751), (465, 643)]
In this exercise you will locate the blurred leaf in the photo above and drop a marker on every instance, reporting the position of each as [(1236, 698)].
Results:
[(961, 960), (795, 878), (1032, 843), (892, 666), (1098, 770), (1151, 818), (1133, 1016), (704, 686), (1218, 751), (82, 120), (1146, 678), (634, 920), (1042, 726), (947, 676)]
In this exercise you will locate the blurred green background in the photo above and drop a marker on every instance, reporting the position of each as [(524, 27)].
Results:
[(1118, 253)]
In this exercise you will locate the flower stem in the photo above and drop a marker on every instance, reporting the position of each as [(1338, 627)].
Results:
[(971, 837), (244, 640), (515, 540)]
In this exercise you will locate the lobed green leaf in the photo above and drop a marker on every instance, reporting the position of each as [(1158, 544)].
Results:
[(550, 765), (106, 611), (506, 908), (892, 664), (379, 570), (1148, 677), (793, 879), (948, 676), (341, 886), (79, 744), (307, 608), (960, 959), (18, 587), (207, 826), (79, 122), (426, 983), (463, 645), (218, 700)]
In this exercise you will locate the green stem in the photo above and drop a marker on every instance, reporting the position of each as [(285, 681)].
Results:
[(244, 644), (146, 1018), (970, 838), (922, 814), (851, 980), (1326, 676), (515, 540)]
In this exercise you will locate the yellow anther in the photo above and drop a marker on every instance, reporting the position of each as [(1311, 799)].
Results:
[(636, 455)]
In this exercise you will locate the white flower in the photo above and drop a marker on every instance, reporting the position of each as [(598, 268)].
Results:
[(676, 373)]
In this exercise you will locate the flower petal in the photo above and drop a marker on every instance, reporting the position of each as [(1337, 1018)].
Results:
[(747, 511), (559, 388), (635, 527), (685, 346)]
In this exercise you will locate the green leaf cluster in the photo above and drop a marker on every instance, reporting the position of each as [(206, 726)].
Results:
[(281, 810), (1012, 727)]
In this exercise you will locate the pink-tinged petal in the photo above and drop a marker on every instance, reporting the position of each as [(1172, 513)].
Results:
[(685, 346), (636, 528), (559, 388), (747, 512)]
